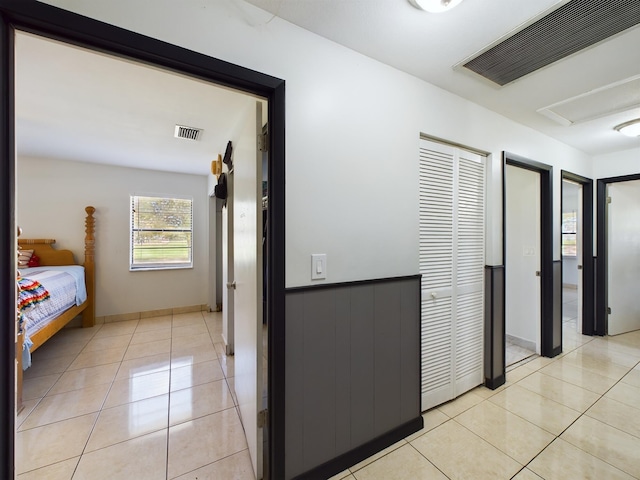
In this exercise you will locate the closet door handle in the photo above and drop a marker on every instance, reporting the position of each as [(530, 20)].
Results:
[(231, 285), (537, 273)]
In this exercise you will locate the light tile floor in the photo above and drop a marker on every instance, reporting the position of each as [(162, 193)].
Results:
[(120, 402)]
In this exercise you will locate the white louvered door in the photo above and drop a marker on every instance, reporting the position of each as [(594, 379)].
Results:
[(452, 197)]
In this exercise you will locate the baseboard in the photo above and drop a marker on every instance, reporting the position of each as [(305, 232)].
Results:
[(493, 383), (123, 317), (571, 286), (346, 460), (521, 342)]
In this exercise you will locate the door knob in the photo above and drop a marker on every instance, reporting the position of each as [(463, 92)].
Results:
[(579, 267), (231, 285), (537, 273)]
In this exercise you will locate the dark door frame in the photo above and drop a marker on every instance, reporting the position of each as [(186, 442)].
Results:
[(550, 317), (588, 267), (45, 20), (602, 264)]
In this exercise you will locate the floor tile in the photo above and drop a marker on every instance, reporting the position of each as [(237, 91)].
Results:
[(137, 388), (69, 347), (632, 378), (460, 454), (562, 461), (218, 436), (237, 467), (595, 365), (403, 463), (201, 400), (625, 393), (117, 328), (154, 335), (27, 408), (37, 387), (460, 404), (190, 330), (131, 420), (184, 319), (153, 323), (342, 475), (188, 356), (49, 366), (376, 456), (99, 357), (611, 445), (106, 343), (115, 461), (52, 443), (616, 414), (506, 431), (526, 474), (191, 341), (431, 420), (578, 376), (84, 377), (543, 412), (148, 349), (66, 405), (57, 471), (144, 366), (565, 393), (196, 374)]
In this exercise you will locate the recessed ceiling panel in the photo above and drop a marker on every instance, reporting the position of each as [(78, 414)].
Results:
[(568, 29)]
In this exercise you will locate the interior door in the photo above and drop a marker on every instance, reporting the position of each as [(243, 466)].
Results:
[(580, 257), (623, 256), (247, 255), (523, 257)]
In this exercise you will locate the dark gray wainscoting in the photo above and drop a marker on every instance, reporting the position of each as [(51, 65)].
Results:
[(494, 326), (352, 372)]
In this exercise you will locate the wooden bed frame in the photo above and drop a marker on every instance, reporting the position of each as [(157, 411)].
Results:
[(43, 248)]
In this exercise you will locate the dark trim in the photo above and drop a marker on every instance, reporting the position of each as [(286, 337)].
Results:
[(588, 270), (602, 265), (8, 249), (321, 286), (494, 327), (52, 22), (550, 340), (338, 464)]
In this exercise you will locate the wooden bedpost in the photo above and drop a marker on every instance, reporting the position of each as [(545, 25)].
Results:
[(89, 313)]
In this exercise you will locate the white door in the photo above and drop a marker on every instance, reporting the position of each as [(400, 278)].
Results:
[(227, 268), (522, 262), (452, 198), (623, 256), (247, 255)]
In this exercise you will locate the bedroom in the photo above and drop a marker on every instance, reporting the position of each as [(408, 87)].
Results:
[(55, 211)]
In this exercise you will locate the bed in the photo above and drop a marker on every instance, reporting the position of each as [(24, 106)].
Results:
[(52, 294)]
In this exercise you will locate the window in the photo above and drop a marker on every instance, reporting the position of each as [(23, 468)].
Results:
[(569, 230), (161, 232)]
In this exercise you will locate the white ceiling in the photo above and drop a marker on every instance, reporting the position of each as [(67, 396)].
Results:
[(111, 110), (428, 46)]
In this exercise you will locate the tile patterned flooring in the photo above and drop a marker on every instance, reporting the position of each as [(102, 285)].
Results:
[(152, 399)]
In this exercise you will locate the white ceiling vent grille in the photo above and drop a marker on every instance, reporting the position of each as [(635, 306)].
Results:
[(189, 133), (574, 26)]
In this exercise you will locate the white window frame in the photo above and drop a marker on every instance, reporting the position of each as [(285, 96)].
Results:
[(133, 228)]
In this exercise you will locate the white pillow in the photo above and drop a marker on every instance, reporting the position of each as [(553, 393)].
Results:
[(23, 258)]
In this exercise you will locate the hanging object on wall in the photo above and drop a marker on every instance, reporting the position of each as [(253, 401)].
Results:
[(220, 190), (216, 166), (227, 156)]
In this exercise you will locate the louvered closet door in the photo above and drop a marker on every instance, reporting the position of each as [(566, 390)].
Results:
[(452, 267)]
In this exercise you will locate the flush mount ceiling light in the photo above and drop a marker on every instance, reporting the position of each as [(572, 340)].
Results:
[(630, 129), (434, 6)]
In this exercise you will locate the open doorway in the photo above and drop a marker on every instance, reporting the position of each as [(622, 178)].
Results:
[(531, 322), (68, 27)]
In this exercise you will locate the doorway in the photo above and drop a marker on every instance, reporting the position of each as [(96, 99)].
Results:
[(530, 272), (52, 22), (577, 255)]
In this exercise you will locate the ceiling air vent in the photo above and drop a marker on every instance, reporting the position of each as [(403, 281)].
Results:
[(574, 26), (189, 133)]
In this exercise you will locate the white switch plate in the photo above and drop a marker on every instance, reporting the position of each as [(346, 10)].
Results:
[(318, 266)]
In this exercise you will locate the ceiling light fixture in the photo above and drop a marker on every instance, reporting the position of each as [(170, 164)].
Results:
[(435, 6), (630, 129)]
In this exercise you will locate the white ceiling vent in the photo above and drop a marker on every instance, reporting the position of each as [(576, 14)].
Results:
[(189, 133)]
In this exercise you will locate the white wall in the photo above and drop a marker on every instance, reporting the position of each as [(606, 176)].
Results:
[(353, 127), (615, 164), (51, 196)]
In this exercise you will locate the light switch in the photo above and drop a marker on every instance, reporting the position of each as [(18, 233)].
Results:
[(318, 266)]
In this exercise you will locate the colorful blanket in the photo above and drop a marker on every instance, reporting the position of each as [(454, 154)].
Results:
[(30, 293)]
